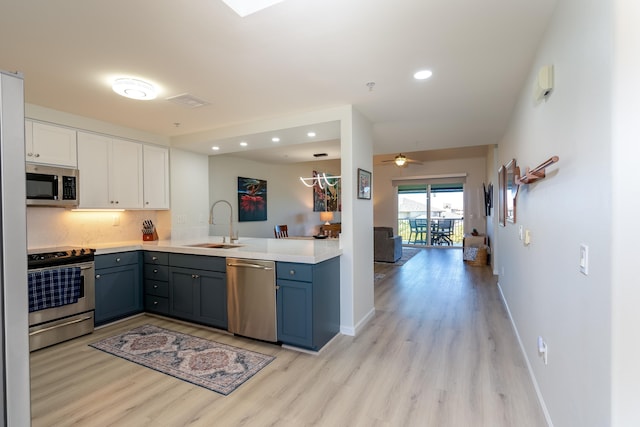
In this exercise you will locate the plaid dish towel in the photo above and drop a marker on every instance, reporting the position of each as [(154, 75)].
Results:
[(54, 288)]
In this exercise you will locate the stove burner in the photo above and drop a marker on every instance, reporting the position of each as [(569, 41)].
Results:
[(59, 257)]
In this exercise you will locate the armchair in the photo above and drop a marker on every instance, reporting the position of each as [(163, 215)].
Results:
[(386, 246)]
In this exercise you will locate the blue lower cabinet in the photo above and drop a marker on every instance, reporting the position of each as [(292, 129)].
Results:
[(118, 286), (295, 312), (198, 295), (308, 303), (156, 282)]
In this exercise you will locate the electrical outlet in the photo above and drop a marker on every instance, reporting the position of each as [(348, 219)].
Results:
[(527, 237)]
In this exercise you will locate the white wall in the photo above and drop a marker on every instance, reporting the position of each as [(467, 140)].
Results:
[(288, 200), (385, 199), (189, 215), (541, 283), (625, 207), (356, 264)]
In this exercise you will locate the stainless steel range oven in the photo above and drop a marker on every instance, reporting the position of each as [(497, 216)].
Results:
[(61, 295)]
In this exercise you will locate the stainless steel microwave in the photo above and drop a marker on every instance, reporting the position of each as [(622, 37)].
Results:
[(52, 186)]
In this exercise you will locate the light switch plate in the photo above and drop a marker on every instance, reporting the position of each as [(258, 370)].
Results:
[(584, 259), (527, 237)]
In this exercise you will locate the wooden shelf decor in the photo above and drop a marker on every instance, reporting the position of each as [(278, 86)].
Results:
[(533, 175)]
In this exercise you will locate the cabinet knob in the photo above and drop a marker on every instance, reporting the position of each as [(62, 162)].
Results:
[(146, 203), (155, 303), (277, 287), (97, 276), (111, 202), (117, 202), (117, 259), (30, 154), (194, 276), (155, 286), (155, 270), (37, 155), (292, 272), (154, 258)]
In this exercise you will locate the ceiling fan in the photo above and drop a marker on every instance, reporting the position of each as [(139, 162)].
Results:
[(402, 161)]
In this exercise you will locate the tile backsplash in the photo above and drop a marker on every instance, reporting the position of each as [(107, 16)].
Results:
[(52, 227)]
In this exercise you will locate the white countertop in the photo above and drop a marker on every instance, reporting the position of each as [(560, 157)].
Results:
[(304, 251)]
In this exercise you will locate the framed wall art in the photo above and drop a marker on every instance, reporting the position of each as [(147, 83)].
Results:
[(326, 193), (252, 199), (364, 184), (511, 190), (502, 206)]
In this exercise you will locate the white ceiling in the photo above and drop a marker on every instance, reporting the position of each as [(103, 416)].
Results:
[(294, 57)]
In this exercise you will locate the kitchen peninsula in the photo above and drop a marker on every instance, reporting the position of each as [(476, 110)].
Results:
[(290, 250), (188, 280)]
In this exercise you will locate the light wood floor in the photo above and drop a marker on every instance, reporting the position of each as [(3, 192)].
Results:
[(439, 352)]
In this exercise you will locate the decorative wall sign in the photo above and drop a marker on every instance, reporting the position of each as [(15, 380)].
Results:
[(252, 199)]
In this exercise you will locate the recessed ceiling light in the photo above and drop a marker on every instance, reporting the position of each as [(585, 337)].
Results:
[(244, 144), (215, 148), (134, 89), (311, 134), (422, 74), (275, 139)]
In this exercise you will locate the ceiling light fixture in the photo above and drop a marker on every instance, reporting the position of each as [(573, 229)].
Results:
[(247, 7), (244, 144), (215, 148), (321, 180), (275, 139), (311, 134), (134, 89), (400, 159), (422, 74)]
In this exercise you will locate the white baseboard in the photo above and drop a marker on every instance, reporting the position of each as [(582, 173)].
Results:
[(526, 359), (353, 331)]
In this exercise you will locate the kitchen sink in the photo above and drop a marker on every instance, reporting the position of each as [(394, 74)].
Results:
[(215, 245)]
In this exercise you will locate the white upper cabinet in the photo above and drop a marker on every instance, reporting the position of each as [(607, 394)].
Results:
[(110, 172), (126, 174), (49, 144), (156, 177)]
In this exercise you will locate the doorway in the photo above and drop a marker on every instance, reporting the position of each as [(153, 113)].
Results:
[(431, 214)]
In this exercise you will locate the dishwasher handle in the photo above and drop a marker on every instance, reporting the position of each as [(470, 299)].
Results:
[(258, 266)]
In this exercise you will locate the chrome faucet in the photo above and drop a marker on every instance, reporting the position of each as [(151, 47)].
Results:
[(231, 238)]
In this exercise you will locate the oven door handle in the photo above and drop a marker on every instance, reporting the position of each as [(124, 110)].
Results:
[(39, 331)]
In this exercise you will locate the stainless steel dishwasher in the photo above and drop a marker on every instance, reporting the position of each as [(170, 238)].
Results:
[(251, 298)]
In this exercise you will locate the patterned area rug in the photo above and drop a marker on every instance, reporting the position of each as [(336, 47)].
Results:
[(215, 366)]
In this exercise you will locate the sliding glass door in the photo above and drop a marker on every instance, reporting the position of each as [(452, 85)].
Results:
[(431, 214)]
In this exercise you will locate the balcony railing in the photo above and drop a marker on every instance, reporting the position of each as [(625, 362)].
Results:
[(435, 234)]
